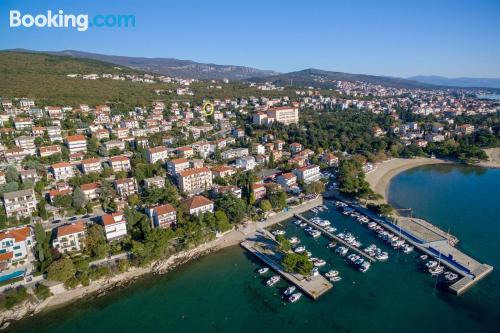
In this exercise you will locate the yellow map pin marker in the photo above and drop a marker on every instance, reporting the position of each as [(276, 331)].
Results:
[(208, 108)]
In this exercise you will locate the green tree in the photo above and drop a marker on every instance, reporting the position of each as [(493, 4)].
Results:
[(95, 241), (265, 205), (61, 270)]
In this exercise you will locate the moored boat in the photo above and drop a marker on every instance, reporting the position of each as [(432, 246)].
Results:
[(294, 298), (263, 270), (273, 280)]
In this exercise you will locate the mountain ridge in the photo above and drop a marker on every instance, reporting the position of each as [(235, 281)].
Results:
[(167, 66)]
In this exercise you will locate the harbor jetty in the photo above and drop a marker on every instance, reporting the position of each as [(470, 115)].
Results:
[(334, 237), (429, 239), (264, 247)]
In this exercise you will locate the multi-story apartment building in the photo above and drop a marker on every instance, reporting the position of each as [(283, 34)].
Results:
[(70, 238), (195, 180), (16, 244), (285, 114), (49, 150), (62, 171), (115, 226), (120, 163), (308, 174), (76, 143), (20, 203), (162, 216), (177, 165), (157, 154), (126, 187), (27, 143), (158, 182), (91, 165)]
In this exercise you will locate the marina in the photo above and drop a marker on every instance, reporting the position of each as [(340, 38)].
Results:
[(434, 243), (334, 237), (264, 248)]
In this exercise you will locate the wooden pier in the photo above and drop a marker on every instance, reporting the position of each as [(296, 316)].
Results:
[(265, 249), (334, 237)]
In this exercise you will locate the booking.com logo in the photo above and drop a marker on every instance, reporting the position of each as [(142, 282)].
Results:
[(59, 19)]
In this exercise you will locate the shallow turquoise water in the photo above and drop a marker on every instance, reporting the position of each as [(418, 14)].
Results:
[(223, 293)]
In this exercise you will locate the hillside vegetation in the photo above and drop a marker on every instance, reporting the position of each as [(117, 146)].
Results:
[(44, 77)]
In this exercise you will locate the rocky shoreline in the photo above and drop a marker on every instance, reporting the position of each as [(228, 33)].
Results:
[(101, 287)]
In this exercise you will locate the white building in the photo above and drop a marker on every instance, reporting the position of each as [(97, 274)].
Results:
[(20, 203), (177, 165), (162, 216), (198, 205), (115, 226), (16, 244), (120, 163), (246, 163), (157, 154), (91, 165), (308, 174), (70, 238), (76, 143), (62, 171), (126, 187), (195, 180)]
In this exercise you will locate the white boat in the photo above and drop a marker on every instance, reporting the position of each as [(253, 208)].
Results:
[(431, 264), (308, 254), (319, 263), (315, 233), (297, 222), (330, 229), (294, 298), (332, 245), (303, 224), (273, 280), (382, 256), (331, 274), (407, 248), (451, 276), (278, 232), (294, 240), (263, 270), (436, 270), (424, 257), (289, 290), (299, 249), (342, 250), (335, 279), (364, 266)]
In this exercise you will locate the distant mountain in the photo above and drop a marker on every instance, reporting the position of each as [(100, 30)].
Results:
[(458, 82), (325, 79), (169, 66)]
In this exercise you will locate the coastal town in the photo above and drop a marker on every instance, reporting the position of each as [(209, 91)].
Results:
[(90, 191)]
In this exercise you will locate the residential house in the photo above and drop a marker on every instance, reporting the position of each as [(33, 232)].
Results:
[(62, 171), (115, 226), (126, 187), (177, 165), (76, 143), (195, 180), (91, 165), (16, 244), (19, 203), (308, 174), (120, 163), (156, 154), (158, 182), (198, 204), (162, 216), (70, 238)]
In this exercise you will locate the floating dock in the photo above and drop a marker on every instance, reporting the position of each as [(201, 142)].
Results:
[(426, 239), (334, 237), (265, 249)]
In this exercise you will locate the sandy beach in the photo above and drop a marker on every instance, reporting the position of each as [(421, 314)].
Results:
[(494, 158), (380, 178)]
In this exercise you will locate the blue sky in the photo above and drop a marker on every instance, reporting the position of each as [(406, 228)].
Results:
[(397, 38)]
